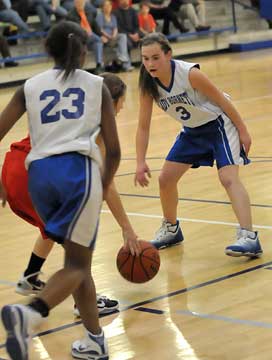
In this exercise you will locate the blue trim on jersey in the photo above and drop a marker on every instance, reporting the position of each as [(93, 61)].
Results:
[(88, 185), (169, 88), (225, 139)]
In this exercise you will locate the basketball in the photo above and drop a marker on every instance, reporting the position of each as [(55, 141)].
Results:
[(139, 269)]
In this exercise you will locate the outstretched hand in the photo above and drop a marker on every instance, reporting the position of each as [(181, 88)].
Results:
[(245, 140), (142, 175)]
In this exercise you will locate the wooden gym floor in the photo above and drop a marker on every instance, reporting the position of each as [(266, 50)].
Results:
[(202, 304)]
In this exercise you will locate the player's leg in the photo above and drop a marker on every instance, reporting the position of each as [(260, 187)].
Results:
[(247, 242), (29, 283), (228, 155), (170, 232)]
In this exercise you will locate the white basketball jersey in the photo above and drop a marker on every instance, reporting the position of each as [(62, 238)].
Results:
[(64, 116), (182, 102)]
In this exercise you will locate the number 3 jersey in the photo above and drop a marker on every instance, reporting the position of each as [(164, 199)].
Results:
[(63, 116), (182, 102)]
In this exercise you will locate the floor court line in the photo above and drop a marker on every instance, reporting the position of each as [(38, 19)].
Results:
[(212, 222), (209, 316), (161, 297), (194, 200)]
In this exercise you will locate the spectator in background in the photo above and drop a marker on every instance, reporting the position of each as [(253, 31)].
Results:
[(45, 8), (127, 21), (110, 36), (69, 5), (8, 15), (115, 4), (4, 49), (147, 23), (194, 10), (160, 9), (82, 15)]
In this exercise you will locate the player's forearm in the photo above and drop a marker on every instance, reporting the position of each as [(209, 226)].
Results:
[(142, 139), (116, 207)]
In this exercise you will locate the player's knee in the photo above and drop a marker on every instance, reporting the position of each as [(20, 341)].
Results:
[(165, 181), (227, 181)]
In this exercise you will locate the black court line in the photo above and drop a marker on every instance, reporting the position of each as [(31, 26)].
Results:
[(163, 157), (194, 200), (157, 298)]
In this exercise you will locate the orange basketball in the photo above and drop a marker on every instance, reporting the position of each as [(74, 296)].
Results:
[(139, 269)]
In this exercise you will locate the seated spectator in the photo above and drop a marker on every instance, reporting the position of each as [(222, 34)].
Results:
[(8, 15), (69, 5), (147, 23), (160, 9), (4, 49), (85, 18), (45, 8), (127, 22), (115, 4), (110, 36), (194, 10)]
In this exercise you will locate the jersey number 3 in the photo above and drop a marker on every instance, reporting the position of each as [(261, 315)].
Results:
[(76, 108), (183, 113)]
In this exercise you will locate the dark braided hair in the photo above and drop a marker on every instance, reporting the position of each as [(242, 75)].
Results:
[(65, 42), (147, 83)]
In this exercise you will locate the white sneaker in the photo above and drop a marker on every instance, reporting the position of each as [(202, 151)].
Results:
[(19, 322), (247, 244), (105, 305), (27, 286), (91, 347), (167, 235)]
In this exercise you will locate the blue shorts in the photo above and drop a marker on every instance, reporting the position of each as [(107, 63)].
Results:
[(217, 141), (66, 191)]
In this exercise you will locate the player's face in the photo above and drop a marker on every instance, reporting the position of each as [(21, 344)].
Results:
[(120, 103), (155, 60)]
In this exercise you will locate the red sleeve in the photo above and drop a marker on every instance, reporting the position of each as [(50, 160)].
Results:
[(141, 21), (152, 22)]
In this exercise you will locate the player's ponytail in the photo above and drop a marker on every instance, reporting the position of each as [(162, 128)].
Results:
[(66, 43), (147, 83)]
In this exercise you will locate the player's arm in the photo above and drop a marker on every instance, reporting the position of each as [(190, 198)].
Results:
[(110, 137), (116, 207), (142, 139), (201, 83), (12, 112)]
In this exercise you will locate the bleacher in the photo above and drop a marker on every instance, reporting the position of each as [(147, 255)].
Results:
[(29, 51)]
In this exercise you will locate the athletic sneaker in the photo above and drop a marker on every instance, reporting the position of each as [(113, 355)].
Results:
[(104, 305), (19, 320), (247, 244), (167, 235), (91, 347), (27, 286)]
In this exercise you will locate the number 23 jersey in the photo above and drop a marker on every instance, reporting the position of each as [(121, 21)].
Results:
[(63, 116), (184, 103)]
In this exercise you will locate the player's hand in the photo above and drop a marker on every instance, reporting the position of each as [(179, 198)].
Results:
[(3, 195), (131, 242), (245, 140), (142, 175)]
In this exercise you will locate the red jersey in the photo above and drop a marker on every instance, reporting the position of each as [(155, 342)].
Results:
[(147, 22)]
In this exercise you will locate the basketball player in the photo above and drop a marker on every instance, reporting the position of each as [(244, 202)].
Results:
[(66, 108), (15, 180), (212, 130)]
